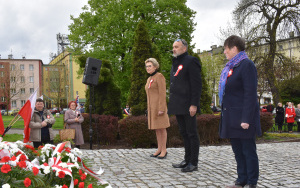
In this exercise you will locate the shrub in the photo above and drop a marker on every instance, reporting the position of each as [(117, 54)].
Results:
[(105, 127), (134, 131), (266, 121)]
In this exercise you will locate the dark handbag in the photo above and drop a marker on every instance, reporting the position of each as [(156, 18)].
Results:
[(66, 134)]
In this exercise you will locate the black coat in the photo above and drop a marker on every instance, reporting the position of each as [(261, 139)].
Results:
[(185, 87), (240, 104), (279, 115)]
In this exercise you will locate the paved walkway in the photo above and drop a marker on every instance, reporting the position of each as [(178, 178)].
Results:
[(279, 167)]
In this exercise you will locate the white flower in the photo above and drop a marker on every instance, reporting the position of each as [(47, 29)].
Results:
[(6, 186), (46, 169), (58, 186), (64, 165)]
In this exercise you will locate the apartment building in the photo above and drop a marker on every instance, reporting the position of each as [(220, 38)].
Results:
[(72, 84), (19, 78)]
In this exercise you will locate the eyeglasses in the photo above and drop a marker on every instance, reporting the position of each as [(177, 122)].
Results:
[(183, 42)]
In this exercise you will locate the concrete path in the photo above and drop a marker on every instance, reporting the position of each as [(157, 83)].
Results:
[(279, 167)]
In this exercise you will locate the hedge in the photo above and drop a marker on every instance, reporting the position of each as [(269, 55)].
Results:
[(133, 130)]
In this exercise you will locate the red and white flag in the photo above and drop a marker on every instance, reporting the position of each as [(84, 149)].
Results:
[(1, 125), (26, 113)]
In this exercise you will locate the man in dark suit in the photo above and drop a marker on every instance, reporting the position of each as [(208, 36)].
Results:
[(240, 121), (184, 102)]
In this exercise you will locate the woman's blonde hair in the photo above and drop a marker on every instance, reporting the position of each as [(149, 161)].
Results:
[(153, 61)]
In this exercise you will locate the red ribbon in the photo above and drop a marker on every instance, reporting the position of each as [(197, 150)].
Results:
[(150, 83), (178, 70)]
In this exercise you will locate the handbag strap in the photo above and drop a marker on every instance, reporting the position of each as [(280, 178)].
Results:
[(65, 125)]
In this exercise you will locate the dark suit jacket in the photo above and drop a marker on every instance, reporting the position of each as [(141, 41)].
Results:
[(185, 88), (240, 103)]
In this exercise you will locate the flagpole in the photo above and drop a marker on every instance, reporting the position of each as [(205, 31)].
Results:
[(13, 121)]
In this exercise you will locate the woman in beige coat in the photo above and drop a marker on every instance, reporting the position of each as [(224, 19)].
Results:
[(73, 118), (158, 118)]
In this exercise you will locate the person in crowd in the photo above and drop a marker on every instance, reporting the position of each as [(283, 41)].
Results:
[(126, 110), (213, 107), (270, 107), (298, 116), (40, 125), (238, 85), (279, 119), (73, 119), (290, 116), (184, 102), (158, 118), (81, 109)]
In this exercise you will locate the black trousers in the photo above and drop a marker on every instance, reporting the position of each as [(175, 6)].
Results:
[(189, 132), (280, 126), (290, 126), (246, 159), (298, 126), (38, 144)]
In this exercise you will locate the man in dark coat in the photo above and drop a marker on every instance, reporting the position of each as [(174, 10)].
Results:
[(270, 107), (184, 102), (240, 120)]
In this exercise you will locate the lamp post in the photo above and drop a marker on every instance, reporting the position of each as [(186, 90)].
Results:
[(67, 87)]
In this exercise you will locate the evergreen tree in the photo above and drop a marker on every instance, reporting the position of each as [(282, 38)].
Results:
[(107, 95), (142, 50)]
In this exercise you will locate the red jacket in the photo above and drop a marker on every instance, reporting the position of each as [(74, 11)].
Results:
[(290, 115)]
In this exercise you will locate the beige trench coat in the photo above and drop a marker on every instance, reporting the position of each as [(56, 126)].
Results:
[(156, 101), (70, 116)]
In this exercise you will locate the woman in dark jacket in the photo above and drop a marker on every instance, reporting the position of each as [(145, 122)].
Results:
[(279, 119), (240, 121)]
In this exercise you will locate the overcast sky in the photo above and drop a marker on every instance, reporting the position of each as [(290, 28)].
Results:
[(29, 27)]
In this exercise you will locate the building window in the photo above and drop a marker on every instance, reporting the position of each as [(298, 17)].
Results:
[(22, 79), (22, 103), (14, 103), (31, 67), (12, 79), (31, 78), (2, 74), (2, 85), (1, 66), (31, 90), (2, 99), (13, 91), (22, 90), (12, 67), (22, 67)]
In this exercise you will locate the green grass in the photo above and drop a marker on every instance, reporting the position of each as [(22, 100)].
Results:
[(279, 136), (59, 122), (13, 137)]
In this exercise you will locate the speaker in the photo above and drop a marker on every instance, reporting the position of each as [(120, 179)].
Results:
[(91, 71)]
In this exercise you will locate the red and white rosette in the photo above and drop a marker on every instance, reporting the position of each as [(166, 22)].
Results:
[(150, 83), (180, 67), (230, 73)]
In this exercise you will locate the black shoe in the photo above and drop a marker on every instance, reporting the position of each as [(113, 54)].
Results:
[(189, 168), (154, 155), (250, 186), (160, 157), (239, 183), (180, 165)]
